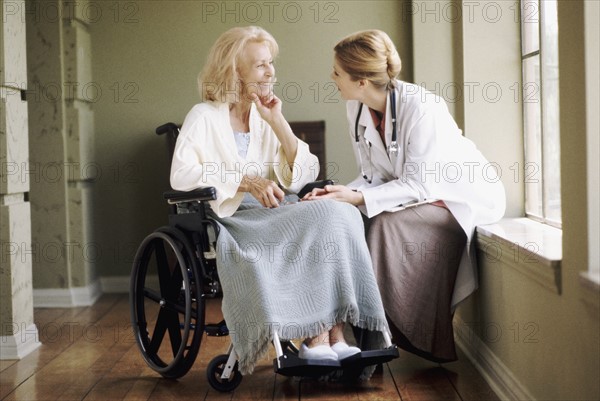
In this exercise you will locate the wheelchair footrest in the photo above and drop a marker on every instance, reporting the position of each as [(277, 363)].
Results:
[(372, 357), (290, 365), (216, 330)]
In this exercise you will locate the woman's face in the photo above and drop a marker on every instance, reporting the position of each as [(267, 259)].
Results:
[(256, 70), (347, 87)]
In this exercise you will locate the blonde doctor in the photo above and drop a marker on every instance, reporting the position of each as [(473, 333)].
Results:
[(423, 188)]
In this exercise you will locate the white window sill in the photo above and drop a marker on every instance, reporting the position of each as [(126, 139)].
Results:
[(590, 280), (532, 248), (590, 296)]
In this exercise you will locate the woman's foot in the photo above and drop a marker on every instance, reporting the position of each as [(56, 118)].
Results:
[(343, 350), (320, 352)]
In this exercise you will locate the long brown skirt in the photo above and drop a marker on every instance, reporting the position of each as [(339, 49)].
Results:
[(416, 253)]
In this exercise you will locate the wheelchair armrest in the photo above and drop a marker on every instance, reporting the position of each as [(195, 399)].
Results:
[(210, 193), (195, 195), (312, 185)]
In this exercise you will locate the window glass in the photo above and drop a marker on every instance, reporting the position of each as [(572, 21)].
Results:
[(539, 32)]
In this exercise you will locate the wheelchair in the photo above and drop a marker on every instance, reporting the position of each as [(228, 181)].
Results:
[(173, 274)]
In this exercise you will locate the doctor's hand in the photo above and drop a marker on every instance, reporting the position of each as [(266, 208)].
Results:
[(337, 192), (265, 191)]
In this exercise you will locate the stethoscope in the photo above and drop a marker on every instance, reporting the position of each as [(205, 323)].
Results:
[(392, 149)]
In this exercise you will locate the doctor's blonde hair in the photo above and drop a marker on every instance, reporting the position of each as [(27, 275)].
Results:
[(369, 55), (219, 80)]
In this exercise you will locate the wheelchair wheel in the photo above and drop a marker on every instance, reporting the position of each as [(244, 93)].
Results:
[(215, 369), (167, 306)]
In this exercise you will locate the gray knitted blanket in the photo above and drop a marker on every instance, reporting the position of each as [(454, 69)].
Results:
[(298, 269)]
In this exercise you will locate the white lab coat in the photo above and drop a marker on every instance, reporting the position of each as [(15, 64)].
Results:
[(206, 155), (434, 161)]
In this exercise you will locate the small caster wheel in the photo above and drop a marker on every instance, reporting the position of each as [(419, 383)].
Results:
[(214, 370)]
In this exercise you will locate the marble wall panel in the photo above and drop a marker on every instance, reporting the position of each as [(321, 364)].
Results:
[(46, 88), (49, 173), (80, 140), (49, 231), (77, 61), (88, 11), (84, 252), (2, 67), (79, 132), (14, 153), (15, 271), (13, 72), (3, 146)]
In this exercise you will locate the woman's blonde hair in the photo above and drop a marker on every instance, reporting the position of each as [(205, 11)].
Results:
[(369, 55), (219, 80)]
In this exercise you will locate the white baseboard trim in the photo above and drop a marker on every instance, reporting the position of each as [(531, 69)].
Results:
[(496, 374), (67, 297), (20, 344)]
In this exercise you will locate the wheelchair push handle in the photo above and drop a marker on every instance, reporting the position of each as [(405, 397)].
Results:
[(167, 128)]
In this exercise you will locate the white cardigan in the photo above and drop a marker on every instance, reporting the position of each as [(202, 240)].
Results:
[(434, 161), (206, 155)]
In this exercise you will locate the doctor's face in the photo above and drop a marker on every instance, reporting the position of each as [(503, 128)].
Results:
[(347, 87), (256, 70)]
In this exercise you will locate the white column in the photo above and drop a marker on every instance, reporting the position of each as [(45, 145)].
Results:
[(18, 333)]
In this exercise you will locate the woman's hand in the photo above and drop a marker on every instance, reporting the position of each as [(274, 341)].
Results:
[(269, 107), (265, 191), (338, 192)]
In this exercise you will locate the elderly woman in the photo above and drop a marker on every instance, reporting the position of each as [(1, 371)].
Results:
[(411, 152), (301, 269)]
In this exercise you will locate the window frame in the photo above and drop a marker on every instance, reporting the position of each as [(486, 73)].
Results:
[(536, 171)]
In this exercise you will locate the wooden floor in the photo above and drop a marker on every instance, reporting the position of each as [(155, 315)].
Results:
[(89, 353)]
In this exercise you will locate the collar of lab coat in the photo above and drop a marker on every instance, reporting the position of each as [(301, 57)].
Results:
[(371, 133)]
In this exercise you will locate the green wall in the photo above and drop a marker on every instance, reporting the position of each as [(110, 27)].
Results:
[(146, 57)]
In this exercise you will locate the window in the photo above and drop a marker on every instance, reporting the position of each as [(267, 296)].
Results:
[(539, 37)]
